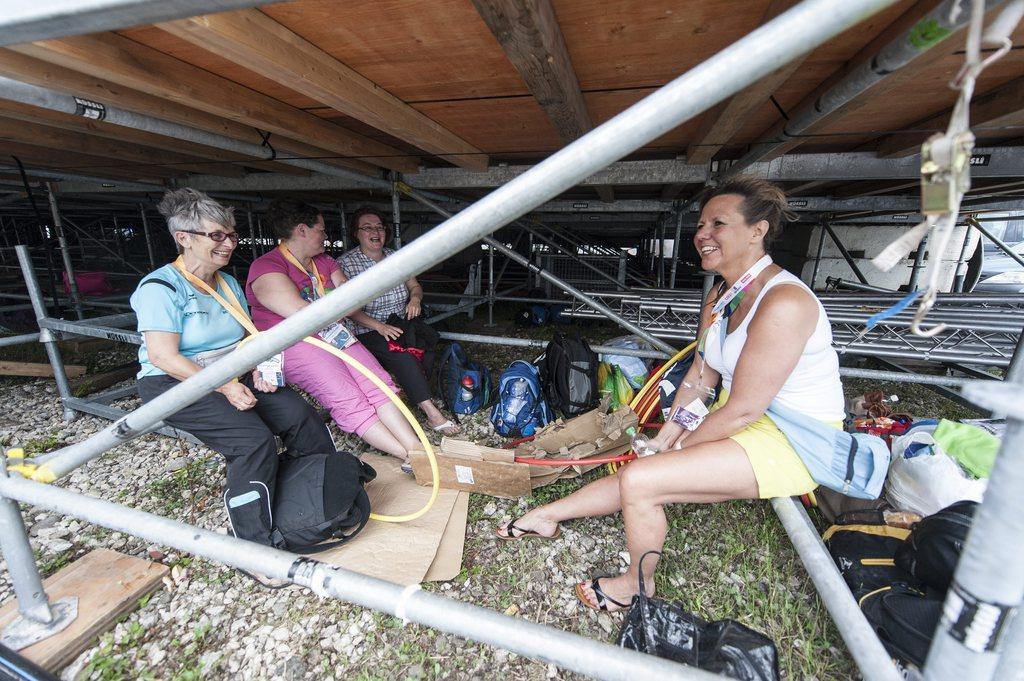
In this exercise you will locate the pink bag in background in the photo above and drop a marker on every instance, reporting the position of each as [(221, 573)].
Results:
[(89, 283)]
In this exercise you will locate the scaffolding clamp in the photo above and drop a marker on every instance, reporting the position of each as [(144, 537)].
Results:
[(39, 473), (945, 172)]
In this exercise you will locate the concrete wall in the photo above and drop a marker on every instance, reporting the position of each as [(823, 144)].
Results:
[(871, 240)]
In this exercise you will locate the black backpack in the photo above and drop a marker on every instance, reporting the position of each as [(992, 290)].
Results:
[(320, 497), (569, 373), (864, 554), (904, 620), (933, 548)]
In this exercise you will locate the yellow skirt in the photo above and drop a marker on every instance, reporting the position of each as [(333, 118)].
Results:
[(777, 467)]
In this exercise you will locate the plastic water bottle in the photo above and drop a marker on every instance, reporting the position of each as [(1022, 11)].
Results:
[(518, 399), (642, 445), (466, 392)]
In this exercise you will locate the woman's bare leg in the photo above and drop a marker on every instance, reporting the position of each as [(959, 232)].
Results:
[(400, 429), (379, 437), (436, 418), (706, 473)]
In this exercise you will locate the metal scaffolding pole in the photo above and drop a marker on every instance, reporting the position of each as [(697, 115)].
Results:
[(915, 269), (817, 257), (960, 274), (65, 254), (46, 337), (252, 234), (570, 651), (115, 255), (996, 240), (396, 211), (988, 585), (845, 253), (149, 239), (575, 256), (675, 247)]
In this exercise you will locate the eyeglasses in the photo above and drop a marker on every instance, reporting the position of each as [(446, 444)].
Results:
[(216, 236), (372, 228)]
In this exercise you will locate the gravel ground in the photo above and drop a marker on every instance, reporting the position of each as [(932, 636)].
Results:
[(730, 560)]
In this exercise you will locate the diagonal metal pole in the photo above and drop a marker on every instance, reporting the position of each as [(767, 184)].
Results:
[(767, 48), (65, 254), (149, 239), (845, 253)]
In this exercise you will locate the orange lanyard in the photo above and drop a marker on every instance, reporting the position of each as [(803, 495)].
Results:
[(233, 307), (315, 278)]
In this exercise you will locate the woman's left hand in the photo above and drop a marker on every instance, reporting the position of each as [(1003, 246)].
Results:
[(412, 309), (260, 384)]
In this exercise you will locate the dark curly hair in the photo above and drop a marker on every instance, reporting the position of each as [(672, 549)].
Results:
[(762, 200), (362, 211), (284, 215)]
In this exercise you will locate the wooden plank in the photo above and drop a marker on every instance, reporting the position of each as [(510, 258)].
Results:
[(720, 124), (34, 156), (58, 138), (118, 59), (529, 33), (9, 368), (251, 39), (1002, 106), (107, 584), (505, 480), (72, 82), (96, 382)]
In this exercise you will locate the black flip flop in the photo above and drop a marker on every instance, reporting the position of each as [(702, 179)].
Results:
[(525, 534)]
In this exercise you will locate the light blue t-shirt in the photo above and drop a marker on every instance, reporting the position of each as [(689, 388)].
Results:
[(165, 301)]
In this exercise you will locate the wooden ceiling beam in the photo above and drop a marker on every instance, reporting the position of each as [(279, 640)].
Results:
[(68, 81), (718, 126), (253, 40), (130, 64), (1002, 106), (532, 40), (83, 164), (68, 140)]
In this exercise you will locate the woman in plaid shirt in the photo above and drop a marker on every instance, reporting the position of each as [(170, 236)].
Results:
[(367, 229)]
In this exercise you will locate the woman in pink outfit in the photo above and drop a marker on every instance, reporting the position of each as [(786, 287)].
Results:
[(288, 279)]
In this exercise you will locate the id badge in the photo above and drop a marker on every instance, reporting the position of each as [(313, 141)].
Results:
[(272, 370), (692, 415), (338, 335)]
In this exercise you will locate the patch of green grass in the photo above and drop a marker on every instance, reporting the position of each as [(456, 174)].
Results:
[(40, 445), (192, 477)]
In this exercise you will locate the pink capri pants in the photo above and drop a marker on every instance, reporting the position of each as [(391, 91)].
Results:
[(350, 397)]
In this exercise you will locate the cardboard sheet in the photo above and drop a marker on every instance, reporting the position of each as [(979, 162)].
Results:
[(400, 552), (448, 561)]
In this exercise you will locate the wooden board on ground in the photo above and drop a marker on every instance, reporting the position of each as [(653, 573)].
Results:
[(96, 382), (448, 561), (35, 369), (398, 552), (108, 584)]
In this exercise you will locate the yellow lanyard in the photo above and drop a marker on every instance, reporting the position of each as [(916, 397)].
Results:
[(315, 278), (233, 307)]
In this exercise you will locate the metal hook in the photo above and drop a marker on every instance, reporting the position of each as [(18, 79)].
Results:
[(927, 303)]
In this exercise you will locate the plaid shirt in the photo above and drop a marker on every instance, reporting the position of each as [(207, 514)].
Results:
[(392, 301)]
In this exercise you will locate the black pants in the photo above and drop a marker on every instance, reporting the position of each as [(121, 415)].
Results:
[(246, 440), (410, 375)]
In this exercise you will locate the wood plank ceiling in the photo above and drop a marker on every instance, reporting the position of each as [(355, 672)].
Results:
[(393, 85)]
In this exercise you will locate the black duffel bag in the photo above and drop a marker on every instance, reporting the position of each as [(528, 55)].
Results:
[(931, 551), (320, 497)]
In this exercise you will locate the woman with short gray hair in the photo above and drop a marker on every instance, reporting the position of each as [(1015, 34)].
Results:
[(191, 314)]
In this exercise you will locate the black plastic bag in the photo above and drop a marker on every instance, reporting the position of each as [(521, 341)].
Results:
[(725, 647)]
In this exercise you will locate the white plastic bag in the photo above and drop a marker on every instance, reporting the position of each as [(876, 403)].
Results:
[(633, 368), (929, 481)]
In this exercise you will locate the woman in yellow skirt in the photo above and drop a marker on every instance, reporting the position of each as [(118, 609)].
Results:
[(766, 337)]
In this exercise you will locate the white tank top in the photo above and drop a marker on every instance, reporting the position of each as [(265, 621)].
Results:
[(814, 387)]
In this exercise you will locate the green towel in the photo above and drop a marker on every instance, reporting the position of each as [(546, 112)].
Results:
[(971, 447)]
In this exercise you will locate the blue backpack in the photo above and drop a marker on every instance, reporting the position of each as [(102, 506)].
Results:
[(464, 385), (521, 408)]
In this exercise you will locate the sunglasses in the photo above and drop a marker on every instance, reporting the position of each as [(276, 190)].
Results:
[(216, 236)]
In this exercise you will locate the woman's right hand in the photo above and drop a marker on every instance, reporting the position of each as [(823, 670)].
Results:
[(240, 397), (389, 332)]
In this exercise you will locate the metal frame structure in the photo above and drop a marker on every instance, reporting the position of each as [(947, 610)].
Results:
[(982, 574)]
